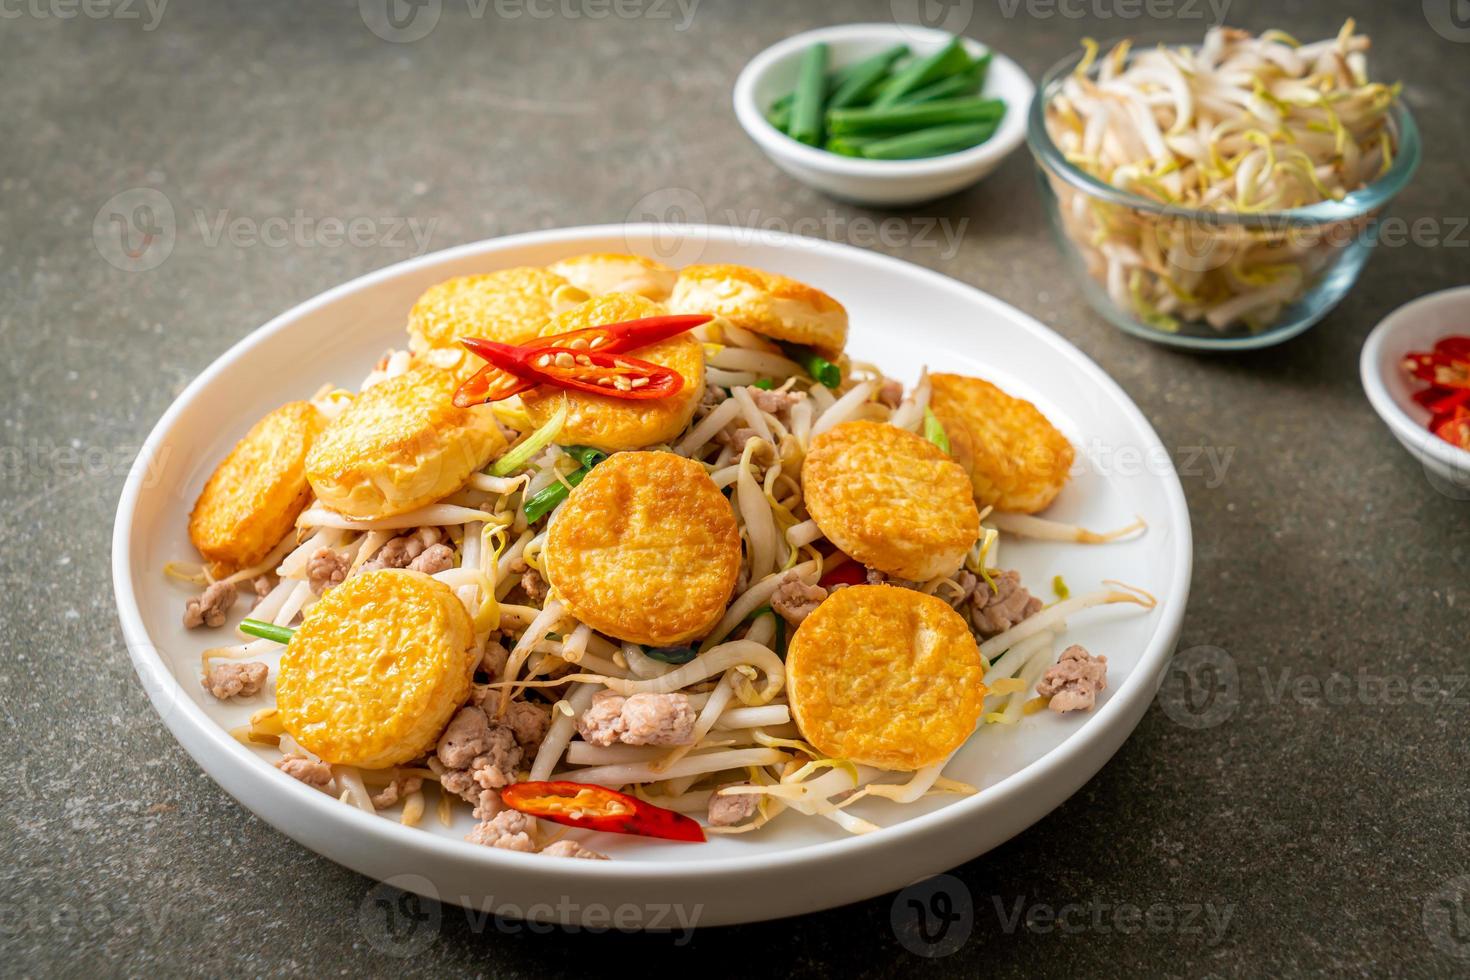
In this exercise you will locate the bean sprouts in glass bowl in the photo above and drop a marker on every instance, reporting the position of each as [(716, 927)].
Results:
[(1221, 195)]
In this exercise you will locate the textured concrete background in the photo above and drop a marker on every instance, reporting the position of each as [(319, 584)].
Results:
[(1316, 811)]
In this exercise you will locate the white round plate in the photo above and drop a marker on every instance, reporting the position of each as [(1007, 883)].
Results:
[(903, 317)]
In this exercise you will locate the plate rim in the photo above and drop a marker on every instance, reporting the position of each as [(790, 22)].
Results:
[(183, 713)]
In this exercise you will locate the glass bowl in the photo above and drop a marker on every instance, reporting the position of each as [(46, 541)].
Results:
[(1312, 254)]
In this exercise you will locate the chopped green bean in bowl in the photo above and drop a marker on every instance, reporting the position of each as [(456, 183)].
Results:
[(884, 114)]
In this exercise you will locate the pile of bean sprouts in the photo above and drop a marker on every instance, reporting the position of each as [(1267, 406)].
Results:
[(744, 733), (1241, 125)]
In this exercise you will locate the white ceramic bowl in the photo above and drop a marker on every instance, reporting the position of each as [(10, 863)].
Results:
[(794, 865), (772, 73), (1415, 327)]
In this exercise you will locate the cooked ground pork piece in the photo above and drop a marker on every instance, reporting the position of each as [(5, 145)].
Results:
[(641, 719), (777, 403), (434, 559), (736, 435), (326, 569), (534, 586), (210, 608), (262, 586), (402, 550), (891, 393), (710, 400), (492, 661), (994, 611), (488, 750), (317, 775), (571, 849), (794, 600), (233, 679), (727, 811), (528, 722), (1073, 681), (396, 790), (876, 577), (509, 829)]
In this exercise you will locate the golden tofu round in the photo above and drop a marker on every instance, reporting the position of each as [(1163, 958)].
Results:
[(610, 272), (376, 669), (612, 424), (256, 492), (885, 676), (1018, 461), (400, 445), (890, 499), (764, 302), (510, 306), (645, 549)]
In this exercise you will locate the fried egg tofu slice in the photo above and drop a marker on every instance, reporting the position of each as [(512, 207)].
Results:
[(609, 272), (1018, 461), (510, 306), (765, 303), (885, 676), (400, 445), (257, 491), (613, 424), (376, 669), (890, 499), (645, 549)]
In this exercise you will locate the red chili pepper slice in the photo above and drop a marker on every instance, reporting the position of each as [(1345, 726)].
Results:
[(599, 808), (1455, 430), (613, 375), (848, 573), (1447, 366), (492, 383)]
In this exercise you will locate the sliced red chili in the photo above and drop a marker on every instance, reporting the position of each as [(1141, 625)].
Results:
[(1447, 366), (848, 573), (599, 808), (1455, 430), (492, 383), (613, 375)]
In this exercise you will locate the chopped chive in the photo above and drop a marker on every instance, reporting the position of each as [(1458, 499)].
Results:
[(948, 60), (780, 116), (1059, 586), (968, 82), (586, 455), (806, 108), (932, 142), (905, 118), (934, 431), (544, 501), (765, 384), (814, 364), (521, 454), (847, 146), (864, 79), (266, 631)]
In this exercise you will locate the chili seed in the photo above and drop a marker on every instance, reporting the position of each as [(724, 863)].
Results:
[(584, 360), (564, 360), (639, 382)]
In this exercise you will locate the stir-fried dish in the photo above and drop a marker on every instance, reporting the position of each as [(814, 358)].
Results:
[(620, 548)]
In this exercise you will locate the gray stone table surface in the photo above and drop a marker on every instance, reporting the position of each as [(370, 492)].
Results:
[(1320, 821)]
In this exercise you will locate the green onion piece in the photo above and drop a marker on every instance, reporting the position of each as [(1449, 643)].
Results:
[(864, 78), (948, 60), (969, 82), (906, 118), (671, 655), (934, 431), (847, 146), (586, 455), (780, 116), (932, 142), (811, 84), (780, 640), (765, 384), (814, 364), (266, 631), (544, 501), (521, 454), (1060, 587)]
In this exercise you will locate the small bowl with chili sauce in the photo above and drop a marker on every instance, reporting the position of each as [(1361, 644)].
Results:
[(1391, 365)]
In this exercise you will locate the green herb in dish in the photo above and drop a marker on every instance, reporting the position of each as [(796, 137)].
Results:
[(934, 431), (906, 118), (814, 364), (948, 60), (811, 84), (932, 142), (266, 631)]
